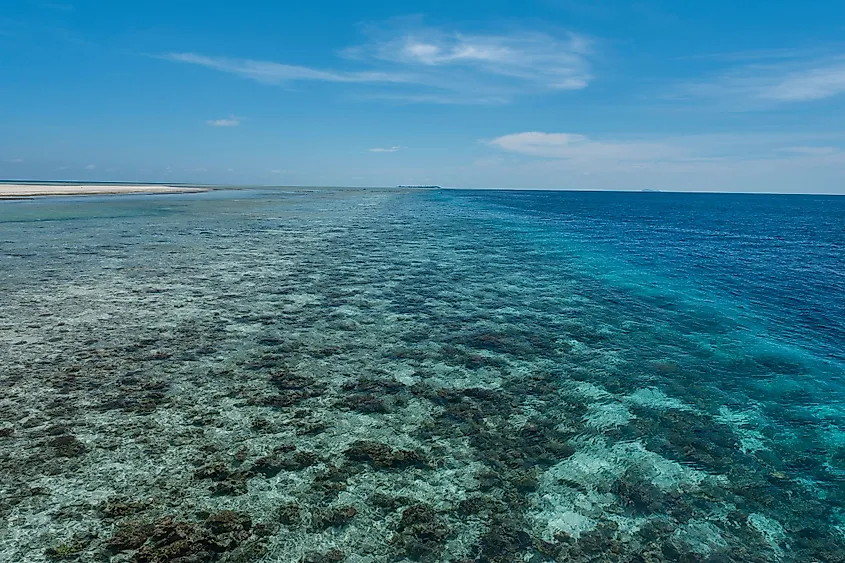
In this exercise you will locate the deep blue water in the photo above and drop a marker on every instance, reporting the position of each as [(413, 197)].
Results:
[(776, 262), (480, 375)]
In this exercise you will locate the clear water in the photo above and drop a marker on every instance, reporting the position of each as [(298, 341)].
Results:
[(388, 375)]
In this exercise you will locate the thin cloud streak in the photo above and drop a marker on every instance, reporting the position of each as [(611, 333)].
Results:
[(390, 149), (277, 73), (809, 151)]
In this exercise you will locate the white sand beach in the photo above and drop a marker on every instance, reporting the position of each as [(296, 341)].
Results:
[(30, 190)]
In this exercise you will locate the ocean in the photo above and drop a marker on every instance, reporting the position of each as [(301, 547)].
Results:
[(372, 375)]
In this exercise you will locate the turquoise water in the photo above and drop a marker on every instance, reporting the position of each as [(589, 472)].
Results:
[(390, 375)]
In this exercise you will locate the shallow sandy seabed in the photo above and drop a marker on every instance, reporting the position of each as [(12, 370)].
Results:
[(358, 377)]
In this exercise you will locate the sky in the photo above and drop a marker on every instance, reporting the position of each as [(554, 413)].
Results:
[(539, 94)]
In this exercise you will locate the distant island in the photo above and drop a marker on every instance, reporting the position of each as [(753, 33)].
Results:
[(422, 187)]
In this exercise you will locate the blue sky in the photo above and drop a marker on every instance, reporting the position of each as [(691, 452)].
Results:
[(571, 94)]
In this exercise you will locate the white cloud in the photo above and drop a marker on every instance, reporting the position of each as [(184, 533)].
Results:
[(15, 160), (428, 65), (91, 167), (389, 149), (231, 122), (277, 171), (792, 79)]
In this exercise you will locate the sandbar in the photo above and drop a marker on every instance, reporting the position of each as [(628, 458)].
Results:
[(10, 191)]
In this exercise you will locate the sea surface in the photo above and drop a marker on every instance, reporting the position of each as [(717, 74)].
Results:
[(368, 375)]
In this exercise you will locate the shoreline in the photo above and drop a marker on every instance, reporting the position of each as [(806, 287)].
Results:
[(17, 191)]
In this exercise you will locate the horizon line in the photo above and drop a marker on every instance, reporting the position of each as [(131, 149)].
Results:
[(407, 187)]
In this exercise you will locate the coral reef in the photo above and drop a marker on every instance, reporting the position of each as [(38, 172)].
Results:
[(354, 375)]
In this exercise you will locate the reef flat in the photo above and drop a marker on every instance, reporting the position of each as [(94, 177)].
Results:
[(383, 375)]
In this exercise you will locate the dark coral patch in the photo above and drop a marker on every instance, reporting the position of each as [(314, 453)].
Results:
[(373, 395), (330, 517), (382, 456), (422, 533), (292, 389), (169, 539), (68, 445)]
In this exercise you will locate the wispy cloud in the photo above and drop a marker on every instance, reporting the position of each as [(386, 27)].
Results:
[(574, 146), (389, 149), (231, 122), (759, 85), (815, 83), (626, 153), (91, 167), (428, 65)]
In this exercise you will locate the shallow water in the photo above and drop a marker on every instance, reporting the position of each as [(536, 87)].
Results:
[(384, 375)]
